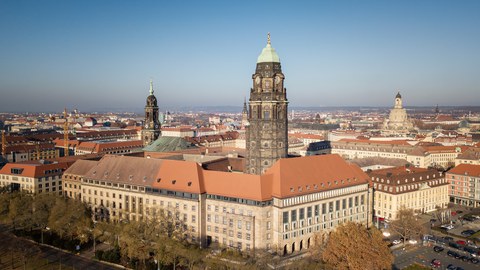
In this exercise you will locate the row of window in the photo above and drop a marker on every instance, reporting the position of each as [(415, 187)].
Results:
[(232, 210), (323, 208), (231, 222)]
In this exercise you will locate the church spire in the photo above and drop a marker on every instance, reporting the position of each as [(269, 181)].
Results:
[(245, 110), (151, 87), (268, 39)]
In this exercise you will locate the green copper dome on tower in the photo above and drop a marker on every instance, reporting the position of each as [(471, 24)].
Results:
[(268, 54)]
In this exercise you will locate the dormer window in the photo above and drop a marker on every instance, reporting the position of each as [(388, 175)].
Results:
[(292, 189), (130, 177), (16, 170), (189, 183), (159, 179), (174, 181)]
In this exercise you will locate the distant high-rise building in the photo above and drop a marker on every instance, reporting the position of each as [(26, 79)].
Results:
[(267, 139), (151, 128)]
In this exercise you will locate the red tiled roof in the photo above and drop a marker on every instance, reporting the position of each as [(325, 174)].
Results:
[(395, 142), (304, 175), (466, 169), (35, 170), (297, 176)]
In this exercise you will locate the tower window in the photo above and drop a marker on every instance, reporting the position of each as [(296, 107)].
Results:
[(266, 115)]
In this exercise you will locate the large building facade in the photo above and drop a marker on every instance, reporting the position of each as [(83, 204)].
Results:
[(295, 203), (464, 182), (35, 177), (423, 190), (267, 139), (151, 129)]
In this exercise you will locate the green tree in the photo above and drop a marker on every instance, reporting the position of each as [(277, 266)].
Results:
[(353, 246)]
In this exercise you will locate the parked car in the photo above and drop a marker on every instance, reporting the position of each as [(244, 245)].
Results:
[(447, 226), (464, 258), (454, 245), (472, 245), (396, 242), (438, 249), (467, 233), (453, 254), (474, 260), (448, 238), (435, 263), (469, 218), (412, 241), (451, 267), (461, 242)]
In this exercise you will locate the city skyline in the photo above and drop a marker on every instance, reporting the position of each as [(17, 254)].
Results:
[(94, 56)]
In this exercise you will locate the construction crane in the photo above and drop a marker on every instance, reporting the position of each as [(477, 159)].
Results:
[(4, 145), (37, 148), (65, 132)]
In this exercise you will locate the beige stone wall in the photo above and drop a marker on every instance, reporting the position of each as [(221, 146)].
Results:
[(373, 152), (238, 226), (386, 205), (135, 204), (49, 184), (321, 214)]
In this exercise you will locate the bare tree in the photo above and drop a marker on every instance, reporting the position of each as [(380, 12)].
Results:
[(42, 204), (20, 210), (407, 225)]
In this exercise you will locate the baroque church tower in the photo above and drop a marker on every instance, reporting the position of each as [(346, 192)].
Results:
[(245, 115), (151, 125), (266, 134)]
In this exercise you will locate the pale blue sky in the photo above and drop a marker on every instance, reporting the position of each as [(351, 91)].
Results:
[(95, 55)]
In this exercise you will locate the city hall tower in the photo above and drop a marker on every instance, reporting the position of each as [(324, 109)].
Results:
[(266, 132)]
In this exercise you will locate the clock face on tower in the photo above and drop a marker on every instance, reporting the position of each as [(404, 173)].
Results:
[(156, 126), (146, 125)]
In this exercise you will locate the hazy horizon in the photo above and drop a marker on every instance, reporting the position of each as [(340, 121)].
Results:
[(97, 55)]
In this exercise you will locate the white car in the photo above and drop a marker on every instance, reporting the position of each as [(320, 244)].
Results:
[(447, 226), (396, 242), (412, 241)]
